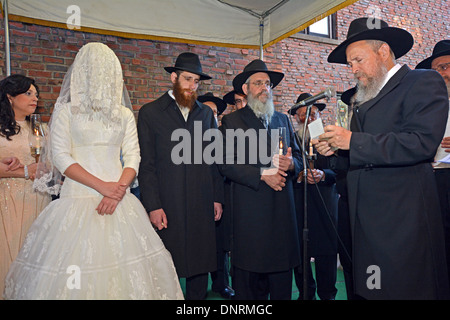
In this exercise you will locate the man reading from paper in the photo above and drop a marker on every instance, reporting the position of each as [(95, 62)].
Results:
[(399, 119)]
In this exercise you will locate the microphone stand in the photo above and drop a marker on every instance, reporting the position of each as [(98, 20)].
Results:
[(305, 233), (307, 158)]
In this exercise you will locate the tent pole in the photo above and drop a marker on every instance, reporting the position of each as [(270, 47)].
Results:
[(7, 49), (261, 38)]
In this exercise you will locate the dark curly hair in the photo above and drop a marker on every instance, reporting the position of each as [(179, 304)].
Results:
[(12, 85)]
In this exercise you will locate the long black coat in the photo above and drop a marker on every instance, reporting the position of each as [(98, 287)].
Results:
[(394, 207), (264, 228), (186, 192)]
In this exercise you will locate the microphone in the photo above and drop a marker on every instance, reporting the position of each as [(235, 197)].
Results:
[(328, 93)]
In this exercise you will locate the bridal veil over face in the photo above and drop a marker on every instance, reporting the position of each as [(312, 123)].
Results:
[(93, 85)]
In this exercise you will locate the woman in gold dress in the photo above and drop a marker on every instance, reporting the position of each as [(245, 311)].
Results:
[(19, 204)]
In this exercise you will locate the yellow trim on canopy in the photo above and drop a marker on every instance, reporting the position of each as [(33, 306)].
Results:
[(129, 35), (310, 22)]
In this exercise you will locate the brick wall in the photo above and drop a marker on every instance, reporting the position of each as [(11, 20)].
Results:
[(45, 53), (305, 62)]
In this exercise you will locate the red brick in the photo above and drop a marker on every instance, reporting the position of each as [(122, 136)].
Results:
[(45, 53)]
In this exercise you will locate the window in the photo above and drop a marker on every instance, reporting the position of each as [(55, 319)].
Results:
[(325, 28)]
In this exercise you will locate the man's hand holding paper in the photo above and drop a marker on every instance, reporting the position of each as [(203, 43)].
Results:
[(337, 137), (327, 140)]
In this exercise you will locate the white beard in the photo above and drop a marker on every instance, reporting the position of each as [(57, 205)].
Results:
[(262, 109), (371, 90)]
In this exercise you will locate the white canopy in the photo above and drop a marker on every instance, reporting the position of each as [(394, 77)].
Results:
[(226, 23), (229, 23)]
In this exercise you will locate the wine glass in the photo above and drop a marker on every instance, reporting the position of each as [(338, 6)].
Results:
[(36, 136)]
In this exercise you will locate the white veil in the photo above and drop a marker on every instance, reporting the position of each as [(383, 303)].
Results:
[(93, 85)]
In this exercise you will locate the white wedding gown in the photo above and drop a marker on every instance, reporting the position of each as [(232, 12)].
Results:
[(72, 252)]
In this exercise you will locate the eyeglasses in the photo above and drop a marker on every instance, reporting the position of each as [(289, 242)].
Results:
[(313, 116), (260, 83), (238, 101), (190, 79), (442, 67)]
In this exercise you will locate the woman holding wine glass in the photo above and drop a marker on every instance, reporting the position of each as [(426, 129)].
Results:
[(19, 203)]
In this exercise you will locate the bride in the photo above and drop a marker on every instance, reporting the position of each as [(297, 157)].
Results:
[(96, 240)]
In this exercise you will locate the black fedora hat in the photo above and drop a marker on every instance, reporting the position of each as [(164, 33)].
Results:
[(188, 61), (254, 67), (209, 96), (302, 97), (229, 97), (442, 48), (399, 40)]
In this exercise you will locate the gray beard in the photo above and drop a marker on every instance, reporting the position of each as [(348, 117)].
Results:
[(262, 109), (371, 90), (301, 127)]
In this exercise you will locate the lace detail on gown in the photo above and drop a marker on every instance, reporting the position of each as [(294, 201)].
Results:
[(118, 256)]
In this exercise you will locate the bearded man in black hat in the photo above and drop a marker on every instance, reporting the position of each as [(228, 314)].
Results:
[(440, 61), (265, 246), (399, 118), (183, 199)]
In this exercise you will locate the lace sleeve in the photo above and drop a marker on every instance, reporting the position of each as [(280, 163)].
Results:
[(130, 145), (48, 177)]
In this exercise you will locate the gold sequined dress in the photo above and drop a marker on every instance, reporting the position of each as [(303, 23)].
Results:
[(19, 204)]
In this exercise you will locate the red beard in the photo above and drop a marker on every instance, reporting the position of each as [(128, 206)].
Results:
[(184, 97)]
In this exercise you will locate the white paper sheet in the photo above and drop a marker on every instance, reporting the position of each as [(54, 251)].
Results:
[(316, 128)]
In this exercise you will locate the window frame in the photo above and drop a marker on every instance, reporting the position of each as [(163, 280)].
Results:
[(332, 32)]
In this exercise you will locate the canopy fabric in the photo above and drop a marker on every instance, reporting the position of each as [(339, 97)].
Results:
[(228, 23)]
